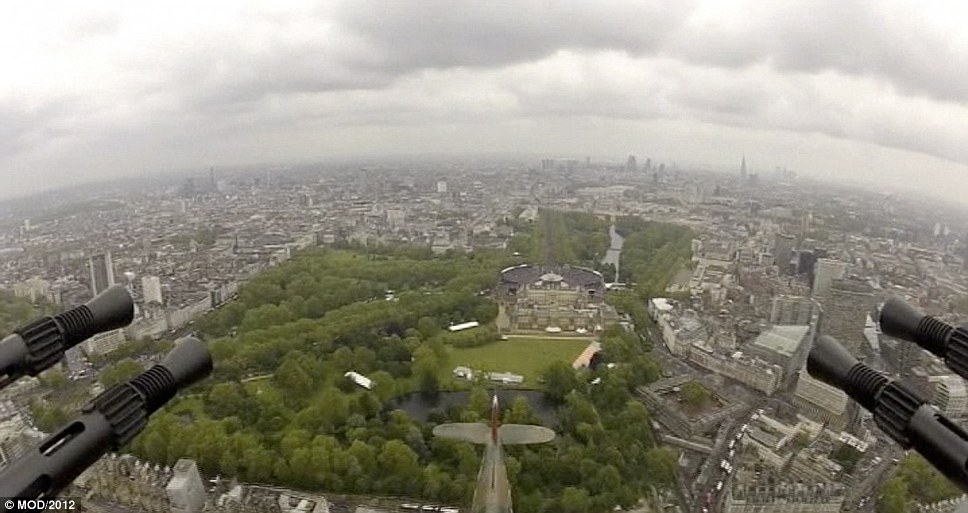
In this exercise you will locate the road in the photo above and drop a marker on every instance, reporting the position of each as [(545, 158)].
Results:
[(867, 486)]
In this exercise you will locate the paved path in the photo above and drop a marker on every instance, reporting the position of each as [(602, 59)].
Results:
[(585, 357), (553, 337)]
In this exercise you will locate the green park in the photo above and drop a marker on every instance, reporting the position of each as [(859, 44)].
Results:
[(278, 409), (525, 356)]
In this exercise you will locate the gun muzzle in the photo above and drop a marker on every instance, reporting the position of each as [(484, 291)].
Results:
[(40, 344), (831, 363), (901, 320), (108, 422), (899, 411)]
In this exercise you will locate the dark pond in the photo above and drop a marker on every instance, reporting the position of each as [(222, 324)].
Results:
[(419, 405)]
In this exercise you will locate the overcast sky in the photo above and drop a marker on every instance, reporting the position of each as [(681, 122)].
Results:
[(832, 88)]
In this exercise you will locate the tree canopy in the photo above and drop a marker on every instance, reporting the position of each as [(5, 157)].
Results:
[(296, 329), (695, 395), (916, 481)]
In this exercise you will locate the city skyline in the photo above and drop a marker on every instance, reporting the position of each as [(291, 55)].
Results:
[(744, 275), (834, 91)]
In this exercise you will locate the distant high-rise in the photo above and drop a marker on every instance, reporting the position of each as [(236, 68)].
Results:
[(211, 179), (102, 272), (805, 260), (742, 170), (825, 272), (794, 310), (805, 222), (845, 312), (188, 188), (630, 165), (950, 395), (442, 186), (783, 252), (151, 289), (819, 401)]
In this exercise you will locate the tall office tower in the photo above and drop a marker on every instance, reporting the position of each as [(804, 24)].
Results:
[(805, 222), (631, 166), (950, 395), (102, 272), (821, 402), (825, 272), (783, 252), (151, 290), (742, 170), (901, 355), (786, 346), (805, 260), (845, 312), (794, 310)]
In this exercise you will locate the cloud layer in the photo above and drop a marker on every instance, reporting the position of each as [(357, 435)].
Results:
[(116, 87)]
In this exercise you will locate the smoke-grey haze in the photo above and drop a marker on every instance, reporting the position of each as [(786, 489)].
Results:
[(865, 90)]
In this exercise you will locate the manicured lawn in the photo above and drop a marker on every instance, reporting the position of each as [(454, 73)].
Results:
[(525, 356)]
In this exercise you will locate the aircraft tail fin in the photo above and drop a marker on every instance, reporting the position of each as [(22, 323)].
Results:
[(521, 434), (473, 432)]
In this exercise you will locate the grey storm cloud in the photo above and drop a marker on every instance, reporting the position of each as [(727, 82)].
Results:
[(229, 76), (439, 33), (854, 38)]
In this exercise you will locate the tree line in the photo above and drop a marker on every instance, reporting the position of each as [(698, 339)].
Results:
[(575, 238), (916, 482), (653, 253), (16, 311)]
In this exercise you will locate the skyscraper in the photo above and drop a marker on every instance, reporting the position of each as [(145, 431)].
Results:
[(825, 272), (845, 312), (783, 252), (794, 310), (151, 290), (631, 166), (742, 170), (102, 272), (950, 395), (819, 401), (805, 222)]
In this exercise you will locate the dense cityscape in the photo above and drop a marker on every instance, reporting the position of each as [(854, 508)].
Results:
[(695, 294)]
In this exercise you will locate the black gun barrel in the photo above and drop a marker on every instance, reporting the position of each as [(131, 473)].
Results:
[(108, 422), (40, 344), (901, 320), (899, 411)]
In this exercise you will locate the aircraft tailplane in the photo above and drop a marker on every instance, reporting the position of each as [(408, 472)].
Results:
[(473, 432), (521, 434)]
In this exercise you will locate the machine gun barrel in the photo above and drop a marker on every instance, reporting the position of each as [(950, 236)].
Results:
[(40, 344), (108, 422)]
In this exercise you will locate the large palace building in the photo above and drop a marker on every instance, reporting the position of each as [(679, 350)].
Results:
[(562, 299)]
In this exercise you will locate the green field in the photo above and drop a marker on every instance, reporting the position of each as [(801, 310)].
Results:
[(525, 356)]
